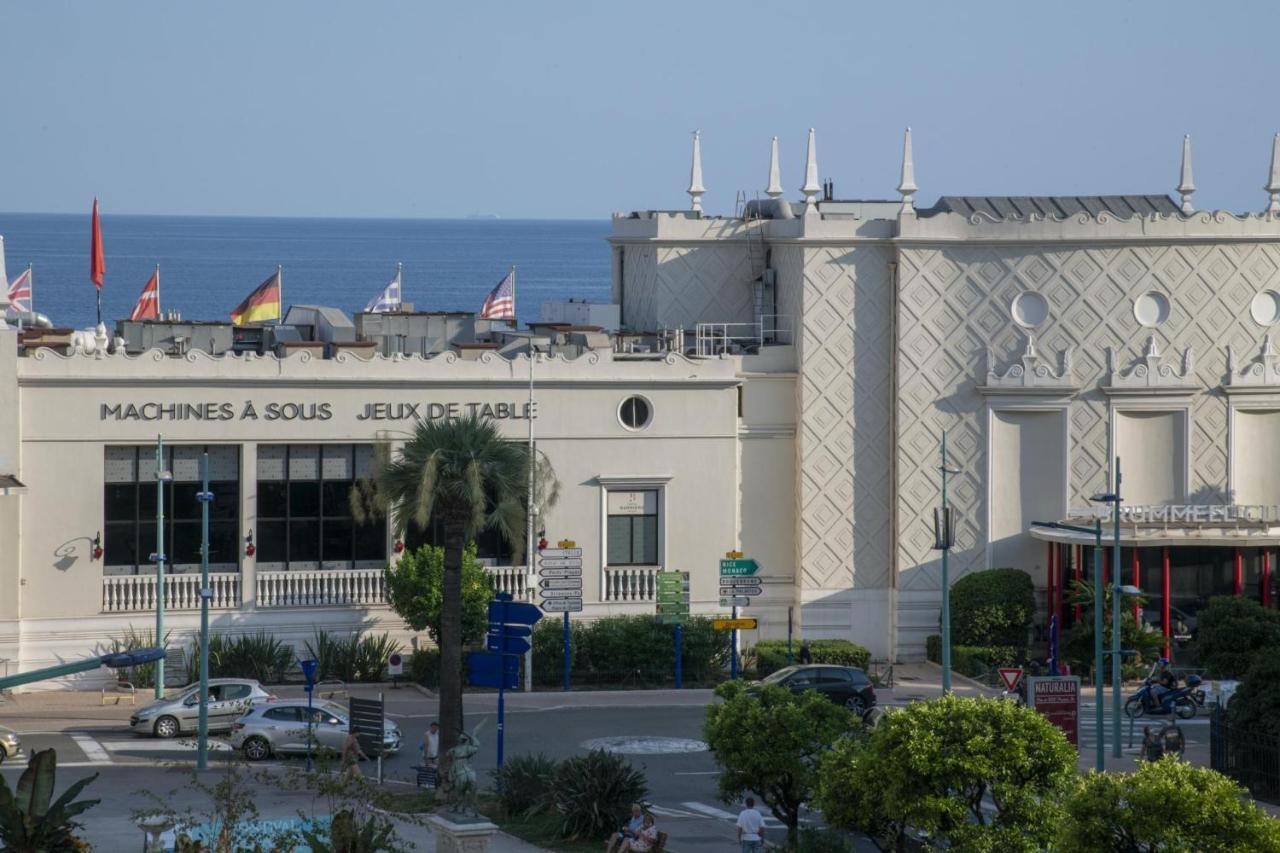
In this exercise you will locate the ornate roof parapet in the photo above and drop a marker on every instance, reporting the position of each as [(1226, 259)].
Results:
[(696, 189), (1186, 186), (907, 182), (1273, 182), (1029, 374), (1263, 371), (811, 187), (1151, 373), (774, 189)]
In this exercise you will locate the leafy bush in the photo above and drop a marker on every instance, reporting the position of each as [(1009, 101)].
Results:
[(769, 742), (939, 766), (372, 653), (524, 784), (628, 650), (1231, 632), (31, 821), (975, 661), (143, 675), (1079, 650), (415, 592), (1164, 805), (1255, 706), (258, 656), (992, 608), (424, 667), (771, 655), (335, 655), (593, 793), (813, 840)]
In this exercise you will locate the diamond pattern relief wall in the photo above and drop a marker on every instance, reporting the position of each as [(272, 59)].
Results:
[(681, 286), (841, 299), (954, 302)]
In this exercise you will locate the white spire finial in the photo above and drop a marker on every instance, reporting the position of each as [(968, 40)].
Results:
[(907, 185), (811, 188), (1273, 183), (775, 175), (696, 189), (1186, 186)]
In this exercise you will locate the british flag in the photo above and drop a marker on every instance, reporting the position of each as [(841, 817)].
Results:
[(20, 292), (500, 304)]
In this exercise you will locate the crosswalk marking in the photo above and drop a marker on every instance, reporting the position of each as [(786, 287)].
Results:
[(162, 746), (662, 811), (91, 749), (710, 810)]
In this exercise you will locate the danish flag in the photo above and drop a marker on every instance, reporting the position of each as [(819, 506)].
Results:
[(148, 307), (20, 292)]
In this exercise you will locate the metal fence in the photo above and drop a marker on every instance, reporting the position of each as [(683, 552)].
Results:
[(1250, 758)]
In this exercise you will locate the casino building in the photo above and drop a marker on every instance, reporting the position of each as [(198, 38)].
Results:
[(776, 381)]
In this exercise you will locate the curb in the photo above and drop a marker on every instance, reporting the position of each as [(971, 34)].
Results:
[(977, 685)]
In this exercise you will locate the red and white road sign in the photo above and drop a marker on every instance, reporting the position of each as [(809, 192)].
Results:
[(1010, 675)]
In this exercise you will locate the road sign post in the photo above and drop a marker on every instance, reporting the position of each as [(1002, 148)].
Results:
[(673, 609), (679, 655), (738, 584), (368, 718), (309, 669), (560, 580), (510, 632)]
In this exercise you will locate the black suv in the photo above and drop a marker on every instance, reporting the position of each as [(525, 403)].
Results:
[(844, 685)]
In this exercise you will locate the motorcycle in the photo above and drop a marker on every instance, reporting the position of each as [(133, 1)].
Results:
[(1182, 702)]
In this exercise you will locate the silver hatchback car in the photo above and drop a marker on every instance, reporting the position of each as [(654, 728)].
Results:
[(172, 716), (281, 727), (10, 746)]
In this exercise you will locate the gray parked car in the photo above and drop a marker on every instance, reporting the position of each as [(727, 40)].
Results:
[(10, 746), (281, 727), (172, 716)]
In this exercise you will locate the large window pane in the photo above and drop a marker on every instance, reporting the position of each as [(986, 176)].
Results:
[(619, 534), (304, 541), (271, 541), (645, 530), (371, 541), (337, 540), (184, 503), (120, 545), (186, 543), (224, 544), (304, 500), (273, 501), (225, 505), (337, 499), (121, 502)]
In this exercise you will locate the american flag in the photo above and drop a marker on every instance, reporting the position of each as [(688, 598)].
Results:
[(20, 292), (500, 304), (388, 299)]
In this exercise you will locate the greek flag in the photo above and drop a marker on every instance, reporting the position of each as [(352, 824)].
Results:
[(388, 299)]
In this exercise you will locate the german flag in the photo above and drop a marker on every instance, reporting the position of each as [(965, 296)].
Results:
[(261, 305)]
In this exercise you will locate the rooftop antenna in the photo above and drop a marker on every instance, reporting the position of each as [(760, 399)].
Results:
[(696, 189), (1187, 185), (811, 188), (907, 183), (775, 190), (1273, 183)]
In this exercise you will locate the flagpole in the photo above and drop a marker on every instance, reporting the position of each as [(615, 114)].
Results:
[(280, 290), (531, 582), (31, 283), (515, 322), (157, 291)]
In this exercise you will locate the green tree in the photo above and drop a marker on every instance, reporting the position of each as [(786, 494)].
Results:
[(415, 591), (994, 607), (1231, 632), (463, 474), (1079, 648), (934, 766), (769, 742), (1166, 806), (1255, 705)]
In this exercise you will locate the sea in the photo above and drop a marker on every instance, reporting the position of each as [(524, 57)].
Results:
[(208, 264)]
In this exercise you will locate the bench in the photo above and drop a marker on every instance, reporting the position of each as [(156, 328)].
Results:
[(427, 775), (121, 689)]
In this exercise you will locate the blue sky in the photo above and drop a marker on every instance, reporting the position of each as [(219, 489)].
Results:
[(547, 109)]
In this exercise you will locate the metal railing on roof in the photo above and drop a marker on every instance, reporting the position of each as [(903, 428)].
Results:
[(712, 339)]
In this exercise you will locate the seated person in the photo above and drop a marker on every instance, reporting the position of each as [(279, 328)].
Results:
[(619, 839), (646, 839)]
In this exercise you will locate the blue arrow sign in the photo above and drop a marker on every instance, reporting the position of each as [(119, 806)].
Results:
[(510, 630), (513, 613), (309, 669), (506, 644)]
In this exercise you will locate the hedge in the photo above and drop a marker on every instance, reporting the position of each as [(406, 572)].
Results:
[(1232, 633), (975, 661), (771, 655), (628, 650), (994, 607)]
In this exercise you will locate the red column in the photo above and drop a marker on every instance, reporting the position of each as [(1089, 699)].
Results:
[(1168, 649), (1266, 578), (1106, 566), (1075, 574), (1137, 581), (1239, 588)]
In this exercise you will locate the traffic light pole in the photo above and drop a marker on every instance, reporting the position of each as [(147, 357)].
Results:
[(205, 497)]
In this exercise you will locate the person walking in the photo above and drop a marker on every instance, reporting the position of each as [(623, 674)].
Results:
[(751, 828), (806, 656), (351, 756), (431, 744)]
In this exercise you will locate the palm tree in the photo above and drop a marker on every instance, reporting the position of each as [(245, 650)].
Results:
[(466, 477)]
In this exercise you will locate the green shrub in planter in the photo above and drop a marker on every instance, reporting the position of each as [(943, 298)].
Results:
[(771, 655), (992, 608), (524, 785), (593, 793), (628, 650), (259, 656), (975, 661), (424, 667), (1231, 633), (372, 654)]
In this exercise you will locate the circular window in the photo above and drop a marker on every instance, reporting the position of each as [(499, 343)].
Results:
[(1265, 308), (635, 413), (1151, 309), (1029, 309)]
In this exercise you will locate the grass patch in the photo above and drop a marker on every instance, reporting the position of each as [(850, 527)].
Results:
[(539, 830), (417, 801)]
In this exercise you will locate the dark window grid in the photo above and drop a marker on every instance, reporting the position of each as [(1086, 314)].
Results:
[(633, 540), (130, 522), (490, 544), (316, 526)]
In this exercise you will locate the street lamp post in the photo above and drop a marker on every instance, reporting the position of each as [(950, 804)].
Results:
[(943, 539), (202, 732), (1099, 680), (1115, 624), (162, 476)]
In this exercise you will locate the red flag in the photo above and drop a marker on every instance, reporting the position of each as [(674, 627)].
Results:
[(97, 263), (148, 307)]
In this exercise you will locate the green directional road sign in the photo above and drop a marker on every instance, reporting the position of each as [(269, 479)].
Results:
[(673, 597), (742, 567)]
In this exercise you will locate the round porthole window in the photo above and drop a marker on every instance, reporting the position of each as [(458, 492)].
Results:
[(1151, 309), (635, 413), (1029, 309), (1265, 308)]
